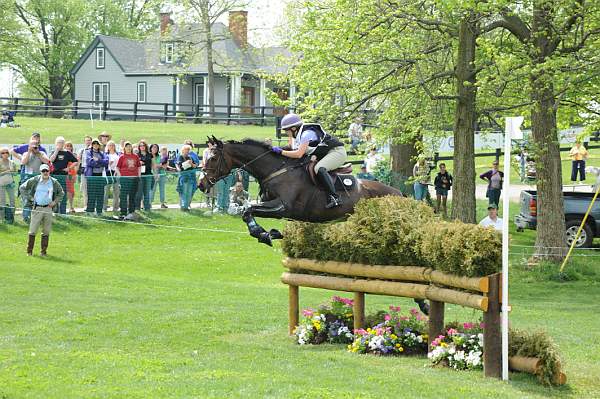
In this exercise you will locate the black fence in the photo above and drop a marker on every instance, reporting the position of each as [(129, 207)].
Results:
[(137, 111)]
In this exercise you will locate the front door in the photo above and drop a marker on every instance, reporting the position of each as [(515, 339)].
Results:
[(199, 95), (247, 100)]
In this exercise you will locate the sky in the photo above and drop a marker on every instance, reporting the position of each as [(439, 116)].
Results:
[(265, 18)]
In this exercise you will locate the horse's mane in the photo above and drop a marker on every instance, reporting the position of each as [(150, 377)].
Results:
[(252, 142)]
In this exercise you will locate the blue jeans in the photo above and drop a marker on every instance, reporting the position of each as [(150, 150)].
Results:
[(26, 209), (186, 187), (162, 180), (223, 187), (420, 191), (146, 188), (578, 167), (62, 179), (493, 195)]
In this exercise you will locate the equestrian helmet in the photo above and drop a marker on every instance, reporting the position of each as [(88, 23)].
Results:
[(291, 120)]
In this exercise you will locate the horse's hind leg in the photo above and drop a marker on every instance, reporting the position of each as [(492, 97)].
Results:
[(255, 229)]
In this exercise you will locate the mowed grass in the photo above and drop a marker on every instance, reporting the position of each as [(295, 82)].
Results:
[(195, 308), (154, 132)]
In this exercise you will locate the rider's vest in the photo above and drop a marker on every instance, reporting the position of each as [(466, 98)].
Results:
[(320, 147)]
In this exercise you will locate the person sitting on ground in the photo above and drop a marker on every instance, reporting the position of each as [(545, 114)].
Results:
[(42, 193), (238, 199), (310, 139), (363, 174), (492, 219), (442, 183)]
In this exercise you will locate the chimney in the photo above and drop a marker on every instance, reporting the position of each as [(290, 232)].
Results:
[(165, 21), (238, 26)]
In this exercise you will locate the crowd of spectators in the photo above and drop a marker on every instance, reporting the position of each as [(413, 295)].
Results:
[(125, 175)]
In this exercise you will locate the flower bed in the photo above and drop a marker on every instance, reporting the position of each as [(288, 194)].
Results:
[(328, 323), (460, 350)]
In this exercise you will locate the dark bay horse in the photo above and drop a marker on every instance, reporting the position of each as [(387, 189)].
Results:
[(287, 190)]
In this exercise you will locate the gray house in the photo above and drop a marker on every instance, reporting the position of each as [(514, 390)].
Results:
[(170, 67)]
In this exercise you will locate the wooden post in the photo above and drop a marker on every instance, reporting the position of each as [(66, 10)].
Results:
[(262, 116), (16, 104), (46, 103), (294, 310), (358, 309), (104, 108), (165, 112), (492, 336), (229, 114), (196, 113), (436, 320), (75, 108), (135, 111)]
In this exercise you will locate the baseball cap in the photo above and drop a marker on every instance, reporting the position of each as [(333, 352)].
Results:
[(492, 206), (44, 167), (35, 134), (95, 141)]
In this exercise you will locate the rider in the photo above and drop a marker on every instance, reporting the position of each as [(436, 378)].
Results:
[(310, 139)]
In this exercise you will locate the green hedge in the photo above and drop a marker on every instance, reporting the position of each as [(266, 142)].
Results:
[(397, 231), (540, 345)]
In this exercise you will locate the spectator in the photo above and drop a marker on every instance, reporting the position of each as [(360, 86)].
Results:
[(111, 176), (128, 170), (104, 138), (355, 134), (95, 173), (492, 219), (421, 175), (7, 186), (160, 161), (30, 164), (147, 179), (87, 144), (495, 178), (71, 176), (442, 183), (210, 195), (223, 187), (372, 159), (20, 150), (187, 177), (60, 159), (196, 160), (238, 199), (578, 156), (244, 177), (363, 174), (42, 193)]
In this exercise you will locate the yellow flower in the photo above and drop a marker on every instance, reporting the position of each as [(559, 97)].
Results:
[(443, 344), (397, 345), (401, 349), (393, 336), (369, 329)]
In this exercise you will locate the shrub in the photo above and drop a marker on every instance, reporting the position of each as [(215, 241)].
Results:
[(540, 345)]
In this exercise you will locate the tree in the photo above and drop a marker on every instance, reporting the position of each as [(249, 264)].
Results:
[(48, 36), (558, 56), (208, 12)]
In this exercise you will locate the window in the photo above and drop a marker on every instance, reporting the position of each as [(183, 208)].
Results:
[(169, 52), (100, 58), (199, 95), (141, 92), (101, 92)]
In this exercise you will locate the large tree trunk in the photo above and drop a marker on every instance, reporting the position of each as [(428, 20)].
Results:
[(463, 196), (209, 59), (550, 240), (57, 85), (403, 158)]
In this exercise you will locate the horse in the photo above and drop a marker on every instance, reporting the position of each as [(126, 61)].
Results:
[(287, 190)]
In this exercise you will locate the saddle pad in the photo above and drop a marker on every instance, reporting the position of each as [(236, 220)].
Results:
[(344, 182)]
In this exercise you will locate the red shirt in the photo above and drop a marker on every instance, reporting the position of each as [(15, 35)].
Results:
[(129, 165)]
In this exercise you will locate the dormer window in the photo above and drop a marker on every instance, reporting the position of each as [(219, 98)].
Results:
[(100, 58), (169, 53)]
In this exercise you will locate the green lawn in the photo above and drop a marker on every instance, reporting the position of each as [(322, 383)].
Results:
[(129, 310), (153, 132)]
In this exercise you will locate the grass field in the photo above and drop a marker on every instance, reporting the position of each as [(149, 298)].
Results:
[(194, 308), (153, 132)]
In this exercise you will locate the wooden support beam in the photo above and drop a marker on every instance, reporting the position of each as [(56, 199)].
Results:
[(404, 273), (358, 310), (492, 336), (294, 308), (524, 364), (436, 320)]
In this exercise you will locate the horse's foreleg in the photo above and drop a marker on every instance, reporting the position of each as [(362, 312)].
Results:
[(272, 209)]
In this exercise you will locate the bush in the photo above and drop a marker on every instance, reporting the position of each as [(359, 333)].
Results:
[(397, 231)]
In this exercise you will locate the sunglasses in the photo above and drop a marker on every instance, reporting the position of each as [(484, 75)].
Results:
[(45, 171), (4, 152)]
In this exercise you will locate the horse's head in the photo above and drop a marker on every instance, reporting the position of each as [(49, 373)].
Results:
[(216, 166)]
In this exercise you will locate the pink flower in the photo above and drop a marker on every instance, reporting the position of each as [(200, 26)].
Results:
[(403, 318), (414, 312), (481, 325), (387, 317), (395, 308), (452, 331), (307, 313), (468, 326), (360, 331)]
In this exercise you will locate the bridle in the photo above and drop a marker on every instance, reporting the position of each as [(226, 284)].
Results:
[(222, 161)]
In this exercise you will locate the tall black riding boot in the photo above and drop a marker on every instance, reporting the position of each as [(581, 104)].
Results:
[(30, 244), (333, 199), (44, 245)]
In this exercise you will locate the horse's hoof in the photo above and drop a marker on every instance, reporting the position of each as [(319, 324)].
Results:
[(275, 234), (265, 238), (424, 306)]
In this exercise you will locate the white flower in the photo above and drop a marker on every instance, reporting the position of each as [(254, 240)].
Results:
[(460, 355), (452, 350)]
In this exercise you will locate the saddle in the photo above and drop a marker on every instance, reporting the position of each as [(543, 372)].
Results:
[(341, 177)]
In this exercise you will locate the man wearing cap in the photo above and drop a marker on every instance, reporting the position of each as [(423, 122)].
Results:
[(492, 219), (104, 138), (31, 160), (41, 193)]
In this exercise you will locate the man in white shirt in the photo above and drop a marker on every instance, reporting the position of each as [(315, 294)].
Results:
[(492, 219)]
